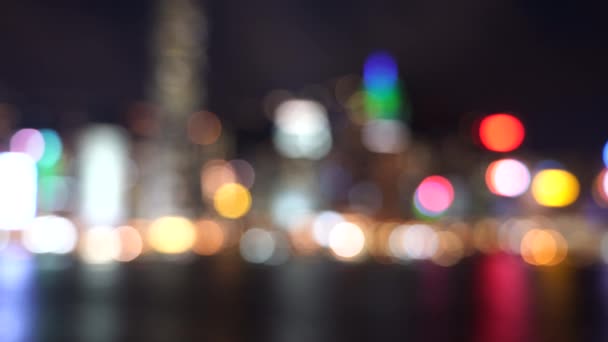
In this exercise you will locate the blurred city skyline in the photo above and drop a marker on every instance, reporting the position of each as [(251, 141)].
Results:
[(545, 62)]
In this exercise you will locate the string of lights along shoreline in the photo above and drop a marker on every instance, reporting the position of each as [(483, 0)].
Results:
[(64, 199)]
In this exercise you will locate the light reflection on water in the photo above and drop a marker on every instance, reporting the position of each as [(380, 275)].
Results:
[(16, 275)]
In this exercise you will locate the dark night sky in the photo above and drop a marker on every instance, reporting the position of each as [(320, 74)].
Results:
[(545, 60)]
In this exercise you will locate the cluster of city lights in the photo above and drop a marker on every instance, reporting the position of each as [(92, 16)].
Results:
[(56, 202), (350, 237)]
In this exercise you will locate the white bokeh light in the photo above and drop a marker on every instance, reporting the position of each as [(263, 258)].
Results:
[(18, 190), (257, 245), (346, 240), (302, 129), (50, 234)]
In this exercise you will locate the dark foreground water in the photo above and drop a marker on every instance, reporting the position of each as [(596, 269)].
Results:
[(483, 298)]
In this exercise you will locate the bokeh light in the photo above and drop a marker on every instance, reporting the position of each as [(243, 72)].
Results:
[(100, 245), (380, 71), (605, 154), (204, 128), (18, 190), (53, 148), (417, 241), (501, 132), (232, 200), (28, 141), (214, 174), (381, 82), (600, 188), (211, 237), (302, 129), (450, 249), (323, 223), (131, 243), (385, 136), (555, 188), (257, 245), (543, 247), (346, 240), (102, 168), (290, 206), (50, 234), (508, 177), (171, 235), (434, 195), (244, 172)]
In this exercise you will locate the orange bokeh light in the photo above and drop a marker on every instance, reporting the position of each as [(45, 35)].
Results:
[(211, 237), (501, 132)]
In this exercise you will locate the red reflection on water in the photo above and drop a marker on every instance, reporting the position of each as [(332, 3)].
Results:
[(503, 300)]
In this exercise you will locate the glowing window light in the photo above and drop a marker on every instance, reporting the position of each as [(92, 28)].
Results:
[(18, 190), (434, 195), (171, 235), (346, 240), (210, 238), (257, 245), (555, 188), (232, 200), (204, 128), (302, 129), (322, 226), (103, 169), (508, 177), (501, 132), (52, 148), (543, 247), (100, 245), (131, 243), (28, 141), (50, 234), (385, 136)]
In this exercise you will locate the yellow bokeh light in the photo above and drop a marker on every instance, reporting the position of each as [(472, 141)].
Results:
[(232, 200), (555, 188), (543, 247), (171, 235)]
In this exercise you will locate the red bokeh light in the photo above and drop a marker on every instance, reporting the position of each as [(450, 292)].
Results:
[(501, 132)]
